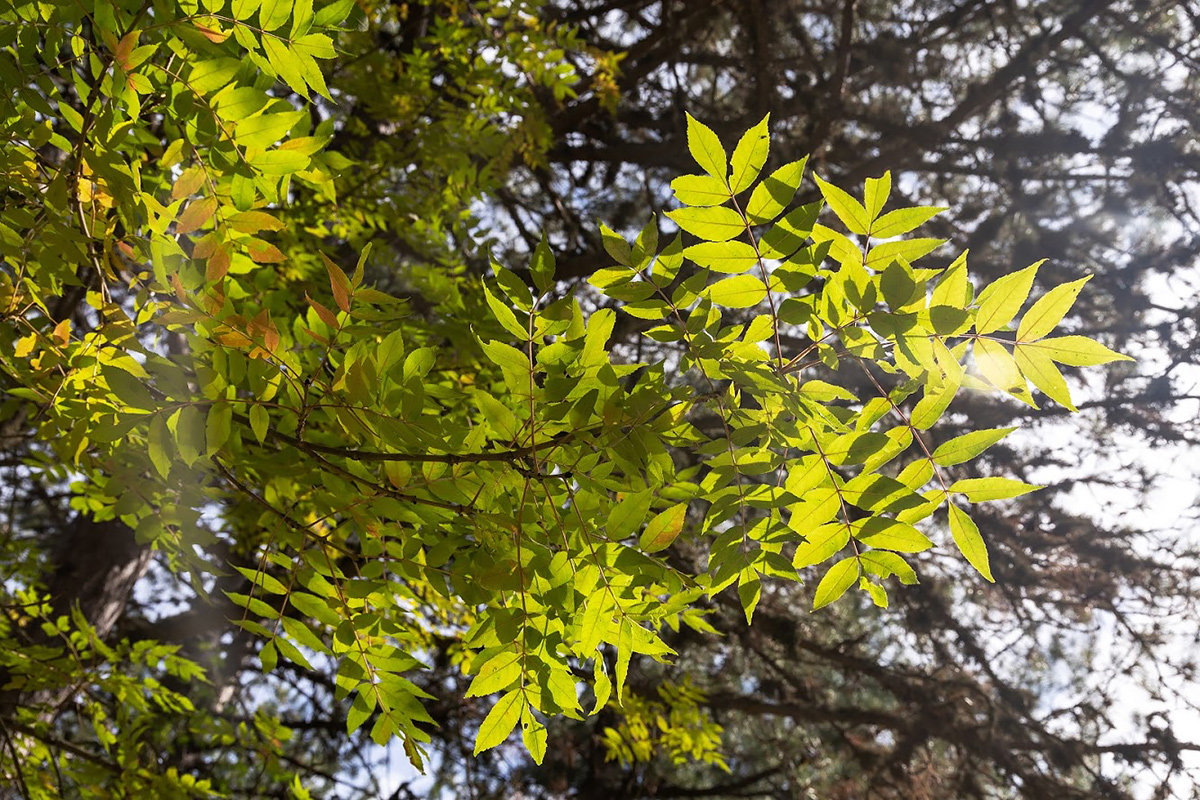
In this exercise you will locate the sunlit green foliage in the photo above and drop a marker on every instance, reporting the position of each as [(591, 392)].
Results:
[(499, 475)]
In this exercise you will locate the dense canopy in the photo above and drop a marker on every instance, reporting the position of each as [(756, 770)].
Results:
[(358, 394)]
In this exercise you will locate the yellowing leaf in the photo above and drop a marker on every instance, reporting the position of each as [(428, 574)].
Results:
[(663, 528), (749, 156), (1041, 318), (706, 148), (979, 490), (848, 210), (500, 721), (254, 222), (876, 193), (533, 733), (775, 192), (713, 224), (840, 577), (1002, 299), (727, 257), (497, 674), (888, 534), (1075, 351), (700, 190), (903, 220), (970, 543), (965, 447), (740, 291), (820, 544), (188, 182), (997, 366), (1038, 368)]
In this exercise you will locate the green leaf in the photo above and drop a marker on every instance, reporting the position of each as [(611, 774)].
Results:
[(219, 426), (286, 64), (513, 363), (627, 515), (129, 390), (663, 528), (727, 257), (500, 721), (749, 156), (979, 490), (541, 266), (749, 591), (500, 417), (970, 543), (713, 224), (965, 447), (888, 534), (775, 192), (158, 439), (902, 220), (848, 210), (700, 190), (840, 577), (596, 622), (1003, 298), (1074, 351), (876, 194), (1043, 315), (616, 246), (1038, 368), (265, 129), (273, 13), (208, 76), (706, 148), (505, 316), (740, 291), (360, 711)]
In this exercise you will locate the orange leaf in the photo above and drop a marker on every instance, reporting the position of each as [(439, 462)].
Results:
[(212, 31), (218, 264), (62, 332), (188, 182), (254, 221), (125, 47), (327, 316), (196, 214), (206, 245), (177, 285), (339, 283), (265, 253)]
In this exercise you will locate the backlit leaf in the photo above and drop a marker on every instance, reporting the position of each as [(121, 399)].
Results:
[(970, 543), (1000, 301), (749, 156), (968, 446), (500, 721), (840, 577), (706, 148), (1043, 315)]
